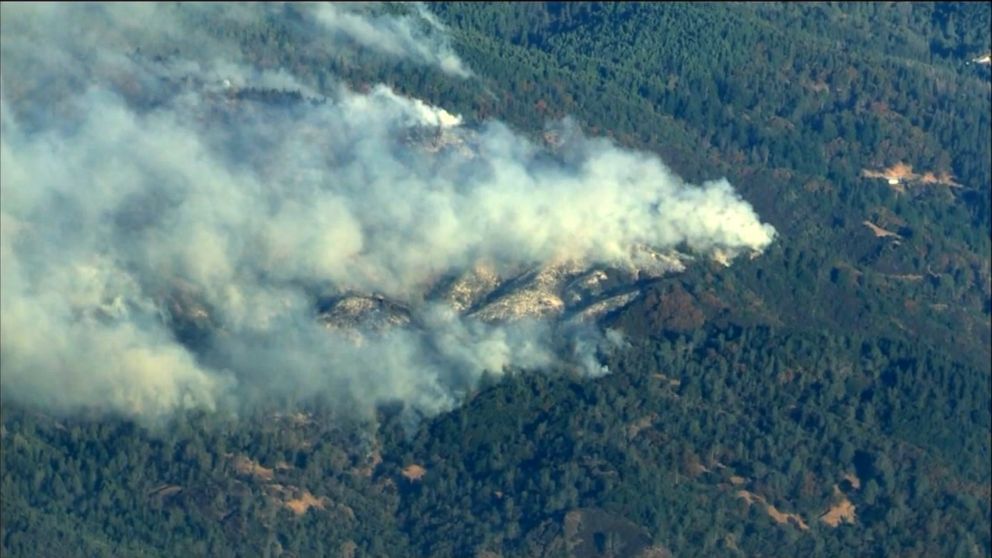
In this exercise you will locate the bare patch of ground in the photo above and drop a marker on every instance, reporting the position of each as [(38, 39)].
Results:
[(900, 173), (297, 501), (841, 512), (945, 178), (414, 472), (247, 466), (879, 231), (853, 479), (778, 516), (304, 502), (782, 517)]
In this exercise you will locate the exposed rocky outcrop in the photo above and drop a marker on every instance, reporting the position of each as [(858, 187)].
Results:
[(373, 313)]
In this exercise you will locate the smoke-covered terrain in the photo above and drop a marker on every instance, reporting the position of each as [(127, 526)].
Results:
[(183, 229), (467, 280)]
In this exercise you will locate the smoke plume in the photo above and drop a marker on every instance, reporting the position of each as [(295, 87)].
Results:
[(165, 241), (419, 36)]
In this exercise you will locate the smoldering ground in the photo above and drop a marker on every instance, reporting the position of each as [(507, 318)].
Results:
[(132, 180)]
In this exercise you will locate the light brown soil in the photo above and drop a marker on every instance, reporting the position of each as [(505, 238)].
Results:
[(853, 479), (414, 472), (841, 512), (304, 502), (773, 512), (901, 173), (300, 504), (879, 231), (944, 178), (247, 466), (782, 517)]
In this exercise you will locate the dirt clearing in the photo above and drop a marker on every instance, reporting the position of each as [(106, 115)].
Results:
[(879, 231), (778, 516), (900, 173), (414, 472), (841, 512)]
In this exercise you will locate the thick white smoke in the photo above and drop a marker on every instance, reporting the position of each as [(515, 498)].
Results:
[(128, 183)]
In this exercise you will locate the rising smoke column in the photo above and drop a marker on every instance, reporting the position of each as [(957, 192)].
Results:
[(128, 182)]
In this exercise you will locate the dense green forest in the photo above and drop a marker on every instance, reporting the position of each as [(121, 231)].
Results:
[(661, 455), (829, 398)]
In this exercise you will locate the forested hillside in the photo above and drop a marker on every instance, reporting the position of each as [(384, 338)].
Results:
[(830, 397), (793, 114)]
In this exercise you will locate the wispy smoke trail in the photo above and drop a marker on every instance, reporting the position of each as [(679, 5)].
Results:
[(418, 36), (164, 243)]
